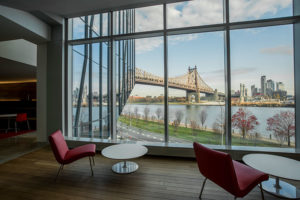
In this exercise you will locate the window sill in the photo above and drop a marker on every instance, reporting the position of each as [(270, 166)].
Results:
[(186, 149)]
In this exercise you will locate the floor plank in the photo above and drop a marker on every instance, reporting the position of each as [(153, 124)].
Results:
[(32, 177)]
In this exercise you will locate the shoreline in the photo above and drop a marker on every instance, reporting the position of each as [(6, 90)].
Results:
[(265, 105)]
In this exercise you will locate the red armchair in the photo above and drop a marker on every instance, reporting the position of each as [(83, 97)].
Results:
[(234, 177), (21, 117), (65, 156)]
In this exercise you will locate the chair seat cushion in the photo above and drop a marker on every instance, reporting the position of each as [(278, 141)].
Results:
[(80, 152), (247, 178)]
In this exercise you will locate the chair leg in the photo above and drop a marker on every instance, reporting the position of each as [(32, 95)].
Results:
[(28, 126), (202, 188), (16, 128), (91, 166), (93, 160), (60, 169), (261, 191)]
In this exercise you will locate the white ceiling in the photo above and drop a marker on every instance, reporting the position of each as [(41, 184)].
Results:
[(12, 31), (73, 8), (16, 71)]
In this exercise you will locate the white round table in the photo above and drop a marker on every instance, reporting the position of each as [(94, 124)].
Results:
[(280, 167), (124, 152)]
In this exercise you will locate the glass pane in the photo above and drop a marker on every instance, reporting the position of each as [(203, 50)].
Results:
[(149, 18), (142, 117), (89, 26), (263, 87), (196, 88), (89, 66), (80, 90), (139, 20), (243, 10), (194, 13)]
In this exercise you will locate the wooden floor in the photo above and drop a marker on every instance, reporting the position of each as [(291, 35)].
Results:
[(32, 177), (14, 147)]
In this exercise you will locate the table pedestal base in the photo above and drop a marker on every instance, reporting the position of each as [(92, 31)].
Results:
[(125, 167), (281, 189)]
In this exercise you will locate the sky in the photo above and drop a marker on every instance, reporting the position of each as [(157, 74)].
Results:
[(254, 52)]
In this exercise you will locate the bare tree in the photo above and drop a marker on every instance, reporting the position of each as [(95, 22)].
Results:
[(130, 116), (179, 116), (178, 119), (158, 113), (153, 118), (136, 112), (194, 126), (203, 116), (146, 113)]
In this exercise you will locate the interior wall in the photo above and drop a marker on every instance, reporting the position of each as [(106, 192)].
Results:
[(18, 91), (55, 80)]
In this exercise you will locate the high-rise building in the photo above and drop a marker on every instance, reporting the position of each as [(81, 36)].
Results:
[(279, 86), (263, 85), (270, 87), (253, 90), (271, 84), (242, 92)]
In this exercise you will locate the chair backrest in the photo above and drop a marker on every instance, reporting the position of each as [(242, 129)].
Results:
[(216, 166), (58, 145), (21, 117)]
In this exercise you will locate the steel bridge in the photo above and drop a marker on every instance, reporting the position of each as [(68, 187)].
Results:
[(191, 82)]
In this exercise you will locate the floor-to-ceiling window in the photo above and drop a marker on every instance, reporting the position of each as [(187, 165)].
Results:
[(212, 71)]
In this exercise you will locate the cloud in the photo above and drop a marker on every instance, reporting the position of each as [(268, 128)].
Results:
[(220, 73), (240, 71), (202, 12), (179, 38), (147, 44), (195, 13), (278, 50), (149, 18), (191, 13), (255, 9)]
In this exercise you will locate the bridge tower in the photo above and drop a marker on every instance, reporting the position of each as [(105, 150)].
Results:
[(193, 80)]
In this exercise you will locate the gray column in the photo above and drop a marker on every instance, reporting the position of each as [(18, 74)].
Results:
[(41, 116), (55, 76), (227, 65), (297, 72), (166, 74), (112, 80)]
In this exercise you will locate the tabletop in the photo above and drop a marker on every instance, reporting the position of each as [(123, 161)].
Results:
[(124, 151), (274, 165), (8, 115)]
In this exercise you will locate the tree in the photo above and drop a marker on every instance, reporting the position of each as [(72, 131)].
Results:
[(244, 120), (194, 126), (136, 112), (158, 113), (203, 117), (178, 118), (146, 113), (283, 126)]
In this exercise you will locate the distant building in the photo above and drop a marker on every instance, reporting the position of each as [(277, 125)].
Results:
[(254, 91), (271, 84), (263, 85), (270, 87), (242, 92), (279, 86), (281, 94)]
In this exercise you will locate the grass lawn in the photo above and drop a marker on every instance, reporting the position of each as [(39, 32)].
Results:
[(201, 136)]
